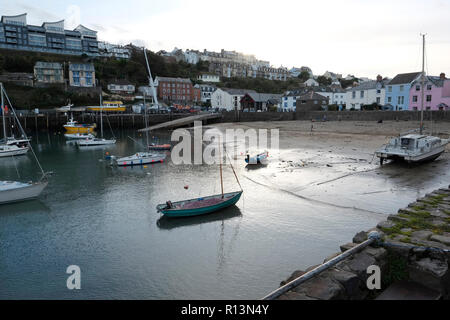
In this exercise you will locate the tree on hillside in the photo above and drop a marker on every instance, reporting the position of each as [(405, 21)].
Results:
[(304, 75), (323, 81)]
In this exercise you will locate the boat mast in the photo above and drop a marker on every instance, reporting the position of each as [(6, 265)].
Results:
[(150, 80), (146, 121), (3, 113), (101, 115), (423, 83), (220, 164)]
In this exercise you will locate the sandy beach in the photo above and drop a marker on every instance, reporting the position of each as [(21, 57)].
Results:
[(334, 163)]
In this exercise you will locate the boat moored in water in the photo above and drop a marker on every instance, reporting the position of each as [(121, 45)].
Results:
[(14, 191), (7, 150), (73, 126), (199, 206), (75, 136), (138, 159), (95, 142), (160, 146)]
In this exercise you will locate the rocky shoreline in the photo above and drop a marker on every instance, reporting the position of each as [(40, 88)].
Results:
[(409, 251)]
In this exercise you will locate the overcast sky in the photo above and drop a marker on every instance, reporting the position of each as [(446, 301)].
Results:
[(364, 37)]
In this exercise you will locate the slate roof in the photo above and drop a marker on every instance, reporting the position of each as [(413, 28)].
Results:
[(183, 80), (233, 91), (311, 95), (403, 78), (264, 97)]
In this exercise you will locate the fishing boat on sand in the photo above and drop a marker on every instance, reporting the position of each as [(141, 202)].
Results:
[(203, 205), (414, 148), (258, 159)]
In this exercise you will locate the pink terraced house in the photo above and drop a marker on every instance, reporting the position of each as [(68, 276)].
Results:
[(436, 94)]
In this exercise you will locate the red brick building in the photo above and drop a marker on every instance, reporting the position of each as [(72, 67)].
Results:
[(178, 90)]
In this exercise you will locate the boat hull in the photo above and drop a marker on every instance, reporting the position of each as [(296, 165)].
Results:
[(424, 157), (13, 152), (81, 129), (230, 199), (30, 192), (94, 142), (138, 162)]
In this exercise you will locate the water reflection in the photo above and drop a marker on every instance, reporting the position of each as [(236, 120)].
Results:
[(166, 223)]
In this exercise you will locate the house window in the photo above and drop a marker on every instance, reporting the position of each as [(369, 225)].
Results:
[(415, 108), (401, 88), (362, 94), (378, 91), (389, 88), (414, 99), (378, 100), (353, 94), (428, 108), (428, 86), (417, 88), (389, 99), (429, 97)]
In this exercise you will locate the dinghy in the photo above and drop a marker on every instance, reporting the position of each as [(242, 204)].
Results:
[(258, 159), (203, 205)]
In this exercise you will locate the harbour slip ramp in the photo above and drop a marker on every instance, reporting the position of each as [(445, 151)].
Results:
[(182, 122)]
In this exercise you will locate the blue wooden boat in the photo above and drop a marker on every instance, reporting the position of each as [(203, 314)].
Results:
[(258, 159), (199, 206)]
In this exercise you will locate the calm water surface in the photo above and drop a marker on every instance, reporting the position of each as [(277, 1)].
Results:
[(104, 220)]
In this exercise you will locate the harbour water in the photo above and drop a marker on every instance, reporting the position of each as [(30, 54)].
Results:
[(103, 219)]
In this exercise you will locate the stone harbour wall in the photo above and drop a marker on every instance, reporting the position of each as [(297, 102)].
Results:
[(408, 252)]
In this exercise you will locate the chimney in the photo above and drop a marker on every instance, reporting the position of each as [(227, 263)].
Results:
[(379, 78), (442, 76)]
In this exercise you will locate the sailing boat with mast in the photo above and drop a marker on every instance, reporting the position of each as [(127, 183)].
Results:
[(199, 206), (92, 141), (414, 148), (12, 148), (142, 158), (14, 191)]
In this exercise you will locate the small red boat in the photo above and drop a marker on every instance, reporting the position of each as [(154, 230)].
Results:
[(159, 146)]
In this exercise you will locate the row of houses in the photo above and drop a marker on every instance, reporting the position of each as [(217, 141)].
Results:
[(230, 64), (403, 92), (52, 37)]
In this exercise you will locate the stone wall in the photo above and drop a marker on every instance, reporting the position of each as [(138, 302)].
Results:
[(336, 116), (410, 251)]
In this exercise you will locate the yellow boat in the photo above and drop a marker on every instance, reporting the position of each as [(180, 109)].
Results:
[(74, 127), (109, 106)]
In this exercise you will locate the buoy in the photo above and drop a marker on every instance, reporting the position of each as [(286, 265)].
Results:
[(145, 166), (186, 186)]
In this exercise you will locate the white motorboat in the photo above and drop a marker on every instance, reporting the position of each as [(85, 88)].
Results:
[(139, 159), (412, 148), (7, 150), (76, 136), (91, 141), (13, 191), (95, 142)]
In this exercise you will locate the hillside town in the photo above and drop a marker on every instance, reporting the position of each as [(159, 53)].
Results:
[(327, 91)]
